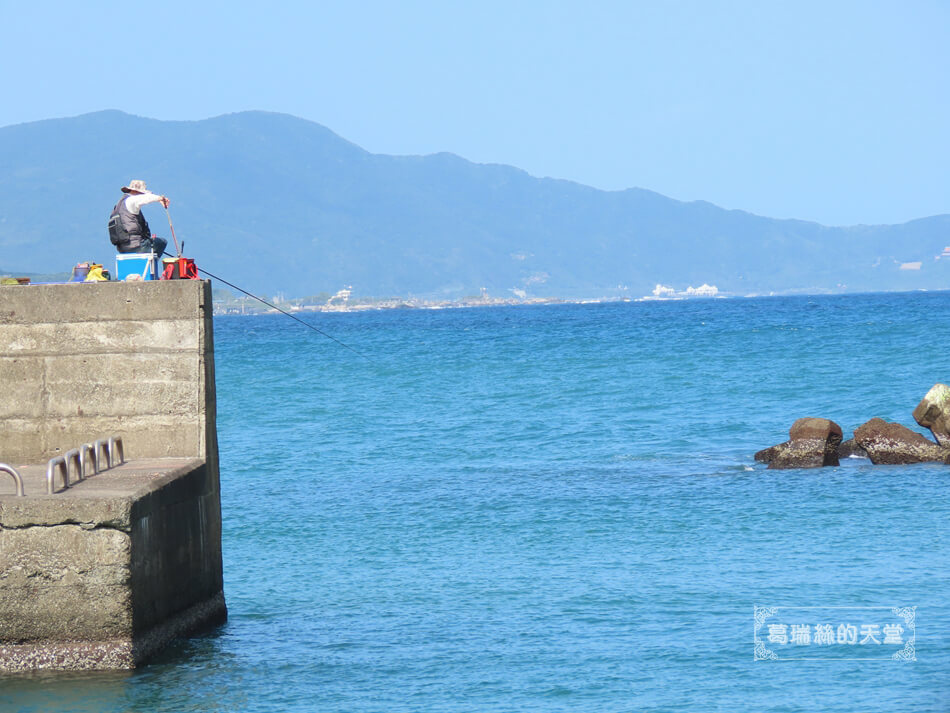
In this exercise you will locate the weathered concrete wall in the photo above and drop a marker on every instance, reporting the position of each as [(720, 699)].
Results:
[(105, 572), (175, 557), (82, 361)]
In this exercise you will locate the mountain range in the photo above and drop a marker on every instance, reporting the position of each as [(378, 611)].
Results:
[(275, 203)]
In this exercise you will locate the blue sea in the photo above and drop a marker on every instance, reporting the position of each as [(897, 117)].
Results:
[(556, 508)]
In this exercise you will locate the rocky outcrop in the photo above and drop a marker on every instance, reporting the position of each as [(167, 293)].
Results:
[(816, 442), (933, 412), (892, 443), (813, 443)]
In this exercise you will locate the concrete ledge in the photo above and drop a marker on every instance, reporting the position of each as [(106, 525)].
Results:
[(103, 500), (95, 302), (105, 572)]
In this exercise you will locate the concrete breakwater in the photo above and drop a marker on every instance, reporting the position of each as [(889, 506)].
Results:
[(102, 573)]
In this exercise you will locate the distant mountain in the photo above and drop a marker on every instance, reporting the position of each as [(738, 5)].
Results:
[(275, 203)]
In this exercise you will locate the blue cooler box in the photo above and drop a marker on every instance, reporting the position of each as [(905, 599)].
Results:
[(143, 264)]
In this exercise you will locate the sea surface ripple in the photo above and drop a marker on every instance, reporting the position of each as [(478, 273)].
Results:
[(556, 509)]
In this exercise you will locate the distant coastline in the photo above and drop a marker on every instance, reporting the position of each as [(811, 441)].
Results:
[(250, 306), (225, 303)]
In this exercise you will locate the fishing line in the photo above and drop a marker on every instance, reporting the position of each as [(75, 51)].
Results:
[(263, 301)]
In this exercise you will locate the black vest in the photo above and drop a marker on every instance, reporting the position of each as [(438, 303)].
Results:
[(126, 229)]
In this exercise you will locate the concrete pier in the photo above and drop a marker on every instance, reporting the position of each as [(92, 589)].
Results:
[(103, 573)]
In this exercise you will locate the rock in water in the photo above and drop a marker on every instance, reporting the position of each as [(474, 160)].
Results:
[(820, 429), (933, 412), (850, 449), (813, 443), (892, 443), (767, 454)]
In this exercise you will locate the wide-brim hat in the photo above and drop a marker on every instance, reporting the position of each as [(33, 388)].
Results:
[(137, 186)]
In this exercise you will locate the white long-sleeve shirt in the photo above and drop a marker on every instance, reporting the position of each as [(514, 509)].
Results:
[(135, 201)]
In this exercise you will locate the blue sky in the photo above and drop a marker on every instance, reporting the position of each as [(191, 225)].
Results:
[(837, 112)]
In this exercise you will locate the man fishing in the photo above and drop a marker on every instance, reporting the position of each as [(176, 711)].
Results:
[(128, 229)]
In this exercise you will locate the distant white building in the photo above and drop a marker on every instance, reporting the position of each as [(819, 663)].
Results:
[(663, 291), (341, 298), (703, 290)]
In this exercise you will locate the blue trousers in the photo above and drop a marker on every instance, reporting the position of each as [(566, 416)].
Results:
[(156, 245)]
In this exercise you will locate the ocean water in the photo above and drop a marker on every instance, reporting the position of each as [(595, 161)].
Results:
[(556, 508)]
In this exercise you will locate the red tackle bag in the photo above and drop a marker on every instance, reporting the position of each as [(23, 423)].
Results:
[(179, 268)]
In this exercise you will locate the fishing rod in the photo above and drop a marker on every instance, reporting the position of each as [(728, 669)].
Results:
[(272, 306), (172, 227)]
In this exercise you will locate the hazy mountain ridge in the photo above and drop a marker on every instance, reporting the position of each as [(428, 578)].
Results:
[(272, 202)]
